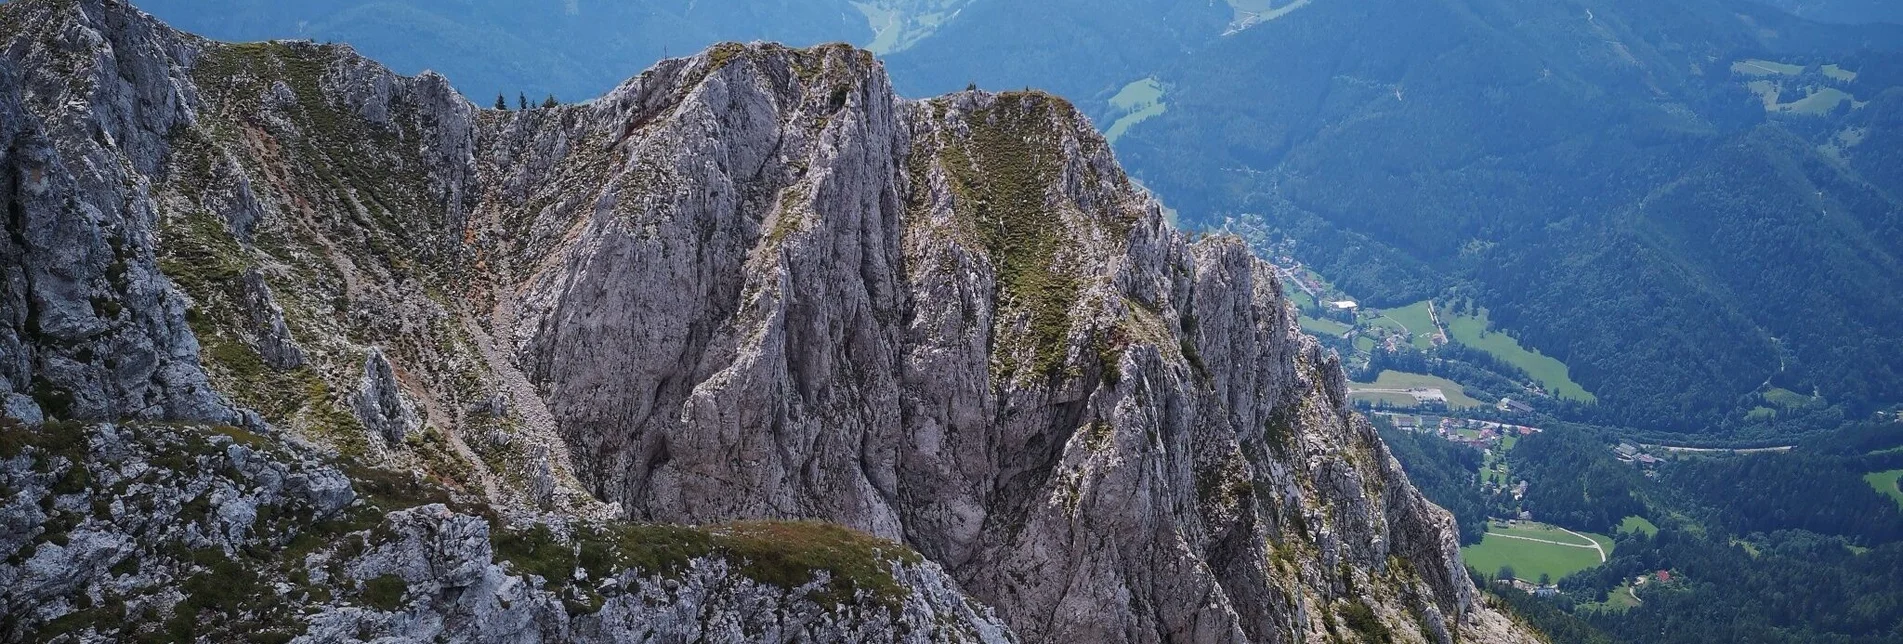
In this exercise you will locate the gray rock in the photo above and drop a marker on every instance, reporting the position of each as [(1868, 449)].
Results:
[(380, 402), (23, 409), (272, 337), (749, 284)]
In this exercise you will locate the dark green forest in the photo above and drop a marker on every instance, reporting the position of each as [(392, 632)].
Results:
[(1768, 547), (1634, 212)]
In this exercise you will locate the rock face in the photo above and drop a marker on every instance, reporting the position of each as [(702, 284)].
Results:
[(190, 534), (750, 284)]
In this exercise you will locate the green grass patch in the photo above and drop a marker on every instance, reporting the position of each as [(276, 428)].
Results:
[(787, 554), (1550, 533), (1137, 95), (1000, 175), (1416, 320), (1530, 559), (1638, 524), (1786, 398), (1123, 124), (1321, 326), (1301, 298), (1886, 482), (1818, 101), (1135, 103), (384, 593), (1471, 330), (1760, 68), (1836, 72), (1456, 395), (1394, 401), (1618, 600), (1387, 323)]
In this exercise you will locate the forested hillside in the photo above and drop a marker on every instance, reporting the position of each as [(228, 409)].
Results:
[(1804, 545), (1619, 183)]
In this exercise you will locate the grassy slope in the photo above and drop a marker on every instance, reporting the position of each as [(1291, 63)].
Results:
[(1886, 482), (1471, 330), (1638, 524), (1320, 326), (1415, 318)]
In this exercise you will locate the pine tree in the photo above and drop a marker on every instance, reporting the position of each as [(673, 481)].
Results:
[(501, 103), (522, 100), (550, 102)]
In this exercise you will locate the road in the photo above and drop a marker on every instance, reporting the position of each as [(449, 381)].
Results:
[(1748, 450), (1434, 316)]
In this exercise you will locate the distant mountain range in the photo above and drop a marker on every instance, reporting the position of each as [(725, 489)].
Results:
[(1688, 202), (1843, 11)]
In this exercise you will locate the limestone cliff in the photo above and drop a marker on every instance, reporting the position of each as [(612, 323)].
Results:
[(748, 285)]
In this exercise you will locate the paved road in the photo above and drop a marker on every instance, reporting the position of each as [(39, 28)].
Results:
[(1729, 450)]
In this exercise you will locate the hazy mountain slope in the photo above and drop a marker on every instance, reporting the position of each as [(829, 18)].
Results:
[(1083, 49), (1843, 11), (1502, 144), (750, 284), (576, 49)]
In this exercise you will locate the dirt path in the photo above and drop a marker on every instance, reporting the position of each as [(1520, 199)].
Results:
[(1594, 542), (1594, 547)]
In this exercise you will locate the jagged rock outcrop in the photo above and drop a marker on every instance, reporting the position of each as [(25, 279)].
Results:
[(750, 284), (216, 534), (379, 401)]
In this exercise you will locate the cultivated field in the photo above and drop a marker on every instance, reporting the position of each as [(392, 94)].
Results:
[(1471, 330), (1396, 381), (1415, 318), (1533, 548), (1638, 524)]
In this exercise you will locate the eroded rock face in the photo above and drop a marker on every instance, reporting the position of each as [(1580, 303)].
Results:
[(751, 284), (215, 534)]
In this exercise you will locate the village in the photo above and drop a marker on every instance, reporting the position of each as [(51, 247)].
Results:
[(1484, 435)]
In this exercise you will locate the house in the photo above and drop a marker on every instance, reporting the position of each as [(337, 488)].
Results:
[(1665, 576), (1344, 305), (1514, 406), (1547, 590)]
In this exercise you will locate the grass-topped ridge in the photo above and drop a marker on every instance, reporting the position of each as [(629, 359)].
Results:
[(1001, 174), (786, 554)]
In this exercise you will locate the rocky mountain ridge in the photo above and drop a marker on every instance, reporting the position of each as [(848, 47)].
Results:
[(747, 285)]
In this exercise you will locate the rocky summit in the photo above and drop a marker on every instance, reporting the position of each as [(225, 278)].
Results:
[(749, 349)]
